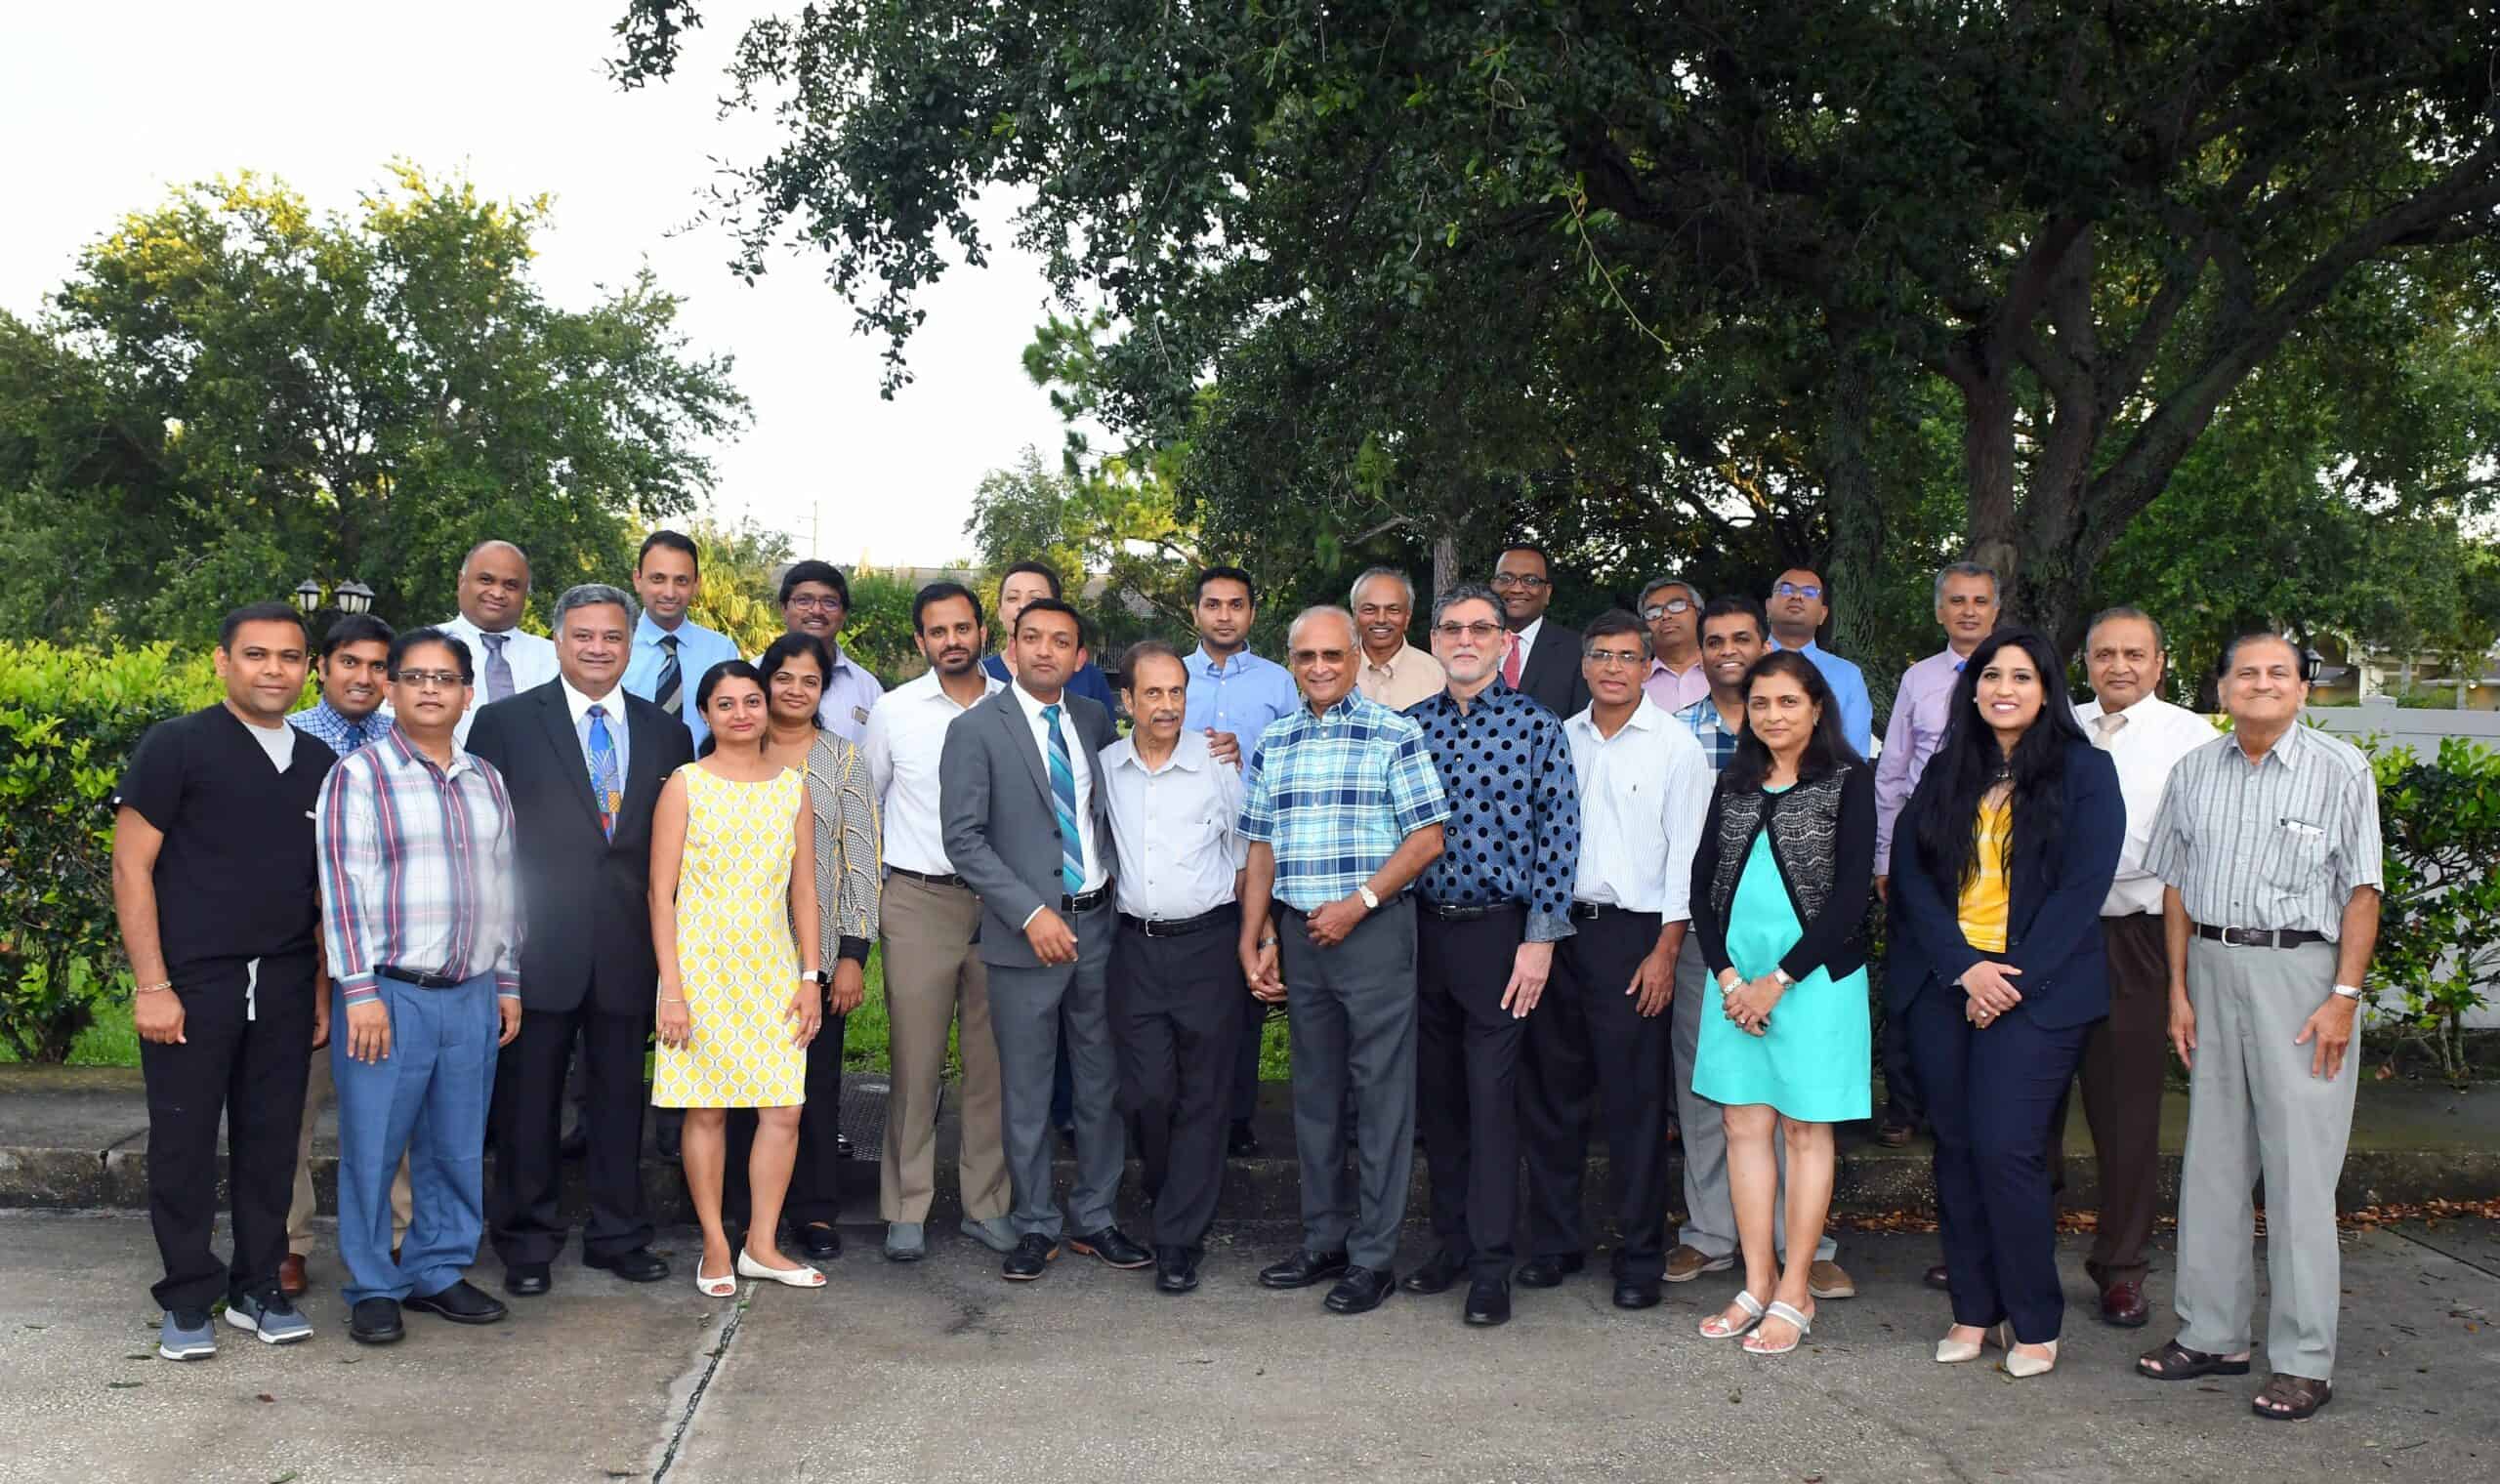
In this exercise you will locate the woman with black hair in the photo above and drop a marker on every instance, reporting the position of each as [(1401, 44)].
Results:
[(1998, 873), (1780, 888)]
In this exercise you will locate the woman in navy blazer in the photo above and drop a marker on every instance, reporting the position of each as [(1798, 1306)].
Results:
[(1999, 869)]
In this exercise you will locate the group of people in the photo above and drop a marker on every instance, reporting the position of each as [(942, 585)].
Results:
[(1527, 889)]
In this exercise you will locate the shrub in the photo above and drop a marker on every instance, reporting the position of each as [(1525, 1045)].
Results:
[(2439, 925)]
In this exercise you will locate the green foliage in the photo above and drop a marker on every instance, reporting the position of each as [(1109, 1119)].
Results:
[(2439, 924), (1115, 519), (880, 634), (69, 720)]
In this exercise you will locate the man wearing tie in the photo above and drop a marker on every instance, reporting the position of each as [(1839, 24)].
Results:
[(494, 592), (583, 762), (1543, 659), (672, 652), (1022, 811)]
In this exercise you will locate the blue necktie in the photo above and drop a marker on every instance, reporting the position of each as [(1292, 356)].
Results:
[(603, 771), (1071, 845)]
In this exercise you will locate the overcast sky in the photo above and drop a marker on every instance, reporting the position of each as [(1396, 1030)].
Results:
[(107, 105)]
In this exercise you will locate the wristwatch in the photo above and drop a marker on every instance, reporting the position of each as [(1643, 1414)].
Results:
[(2349, 991), (816, 977), (1371, 903), (1781, 976)]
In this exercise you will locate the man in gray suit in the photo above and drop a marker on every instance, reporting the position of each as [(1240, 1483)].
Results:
[(1025, 819)]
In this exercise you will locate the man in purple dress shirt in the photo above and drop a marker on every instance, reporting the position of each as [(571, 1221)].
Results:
[(1672, 608)]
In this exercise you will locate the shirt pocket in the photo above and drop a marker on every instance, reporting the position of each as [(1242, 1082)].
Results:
[(2298, 857)]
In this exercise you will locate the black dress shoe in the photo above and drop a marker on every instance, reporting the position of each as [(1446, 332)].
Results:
[(1113, 1247), (527, 1280), (1436, 1276), (820, 1240), (574, 1146), (1549, 1272), (376, 1321), (1488, 1302), (461, 1304), (1935, 1278), (1636, 1293), (1301, 1269), (1176, 1269), (1030, 1258), (639, 1265), (668, 1134), (1242, 1142), (1360, 1291)]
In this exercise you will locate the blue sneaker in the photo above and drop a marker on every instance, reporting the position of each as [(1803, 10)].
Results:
[(269, 1316), (186, 1335)]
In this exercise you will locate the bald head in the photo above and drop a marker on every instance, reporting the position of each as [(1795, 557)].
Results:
[(494, 585)]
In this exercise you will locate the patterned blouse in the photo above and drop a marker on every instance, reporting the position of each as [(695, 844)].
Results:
[(848, 846)]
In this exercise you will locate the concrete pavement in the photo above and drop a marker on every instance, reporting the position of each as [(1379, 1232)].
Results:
[(941, 1370)]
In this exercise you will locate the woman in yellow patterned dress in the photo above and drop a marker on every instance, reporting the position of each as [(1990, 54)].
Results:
[(732, 868)]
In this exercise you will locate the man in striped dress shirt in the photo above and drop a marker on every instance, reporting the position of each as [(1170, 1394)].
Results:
[(418, 912)]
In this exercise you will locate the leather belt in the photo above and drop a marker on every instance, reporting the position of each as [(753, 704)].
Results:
[(1071, 906), (933, 878), (1181, 926), (2260, 937), (1588, 911), (1468, 914), (420, 980)]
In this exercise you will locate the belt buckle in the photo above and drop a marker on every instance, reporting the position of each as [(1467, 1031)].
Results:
[(2245, 937)]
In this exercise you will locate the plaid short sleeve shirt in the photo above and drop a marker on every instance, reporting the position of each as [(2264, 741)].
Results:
[(1717, 743), (1333, 795)]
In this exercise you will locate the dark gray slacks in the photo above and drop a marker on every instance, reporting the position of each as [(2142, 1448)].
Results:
[(1029, 1010), (1590, 1051), (1174, 1023), (2124, 1062), (1466, 1085), (1350, 1016)]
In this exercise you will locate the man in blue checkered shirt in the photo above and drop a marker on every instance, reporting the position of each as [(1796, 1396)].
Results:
[(1342, 811)]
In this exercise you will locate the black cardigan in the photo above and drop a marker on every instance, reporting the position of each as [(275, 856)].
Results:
[(1833, 939)]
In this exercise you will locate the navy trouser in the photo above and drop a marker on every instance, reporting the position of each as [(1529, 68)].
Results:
[(426, 1099)]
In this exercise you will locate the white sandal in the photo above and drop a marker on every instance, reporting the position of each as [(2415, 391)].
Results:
[(1780, 1311), (1717, 1327), (724, 1285), (801, 1276)]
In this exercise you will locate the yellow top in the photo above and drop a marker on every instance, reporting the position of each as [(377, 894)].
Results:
[(1983, 905)]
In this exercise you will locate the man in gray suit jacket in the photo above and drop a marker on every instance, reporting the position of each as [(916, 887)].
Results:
[(1022, 807)]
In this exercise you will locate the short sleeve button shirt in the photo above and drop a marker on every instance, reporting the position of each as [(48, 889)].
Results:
[(1333, 795), (1513, 832)]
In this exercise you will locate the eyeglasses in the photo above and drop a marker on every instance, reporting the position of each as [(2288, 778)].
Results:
[(1798, 590), (1526, 580), (809, 602), (428, 680), (1616, 659), (1476, 632), (1659, 610)]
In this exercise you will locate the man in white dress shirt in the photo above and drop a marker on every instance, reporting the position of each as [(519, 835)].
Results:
[(815, 601), (926, 917), (1175, 980), (494, 592), (2128, 1053)]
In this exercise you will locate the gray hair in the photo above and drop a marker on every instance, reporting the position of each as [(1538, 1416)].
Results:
[(1293, 630), (1355, 594), (593, 595), (2124, 610), (1466, 591), (1657, 583), (2230, 652), (1148, 649), (1964, 569)]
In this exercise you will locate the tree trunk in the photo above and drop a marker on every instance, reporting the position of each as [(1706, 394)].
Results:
[(1444, 565), (1857, 515), (1987, 461)]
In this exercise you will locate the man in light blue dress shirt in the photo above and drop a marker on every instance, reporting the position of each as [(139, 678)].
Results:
[(1798, 605), (670, 651)]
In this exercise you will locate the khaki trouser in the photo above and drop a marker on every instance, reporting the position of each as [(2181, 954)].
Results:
[(934, 973), (317, 1090)]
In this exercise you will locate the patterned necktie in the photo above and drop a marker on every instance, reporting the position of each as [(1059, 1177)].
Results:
[(1071, 845), (2104, 727), (604, 783), (672, 678), (1510, 659), (498, 669)]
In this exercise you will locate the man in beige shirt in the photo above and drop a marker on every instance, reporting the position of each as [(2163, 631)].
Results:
[(1395, 673)]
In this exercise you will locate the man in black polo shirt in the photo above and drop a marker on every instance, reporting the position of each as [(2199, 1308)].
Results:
[(214, 883)]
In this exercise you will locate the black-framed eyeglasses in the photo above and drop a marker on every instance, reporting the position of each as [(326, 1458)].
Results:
[(1798, 590), (1659, 610), (809, 602), (1529, 579), (428, 680)]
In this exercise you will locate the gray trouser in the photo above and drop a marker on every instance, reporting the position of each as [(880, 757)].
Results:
[(1351, 1013), (1710, 1212), (1028, 1006), (2253, 1108)]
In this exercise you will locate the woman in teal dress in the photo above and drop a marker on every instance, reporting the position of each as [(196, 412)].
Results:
[(1780, 888)]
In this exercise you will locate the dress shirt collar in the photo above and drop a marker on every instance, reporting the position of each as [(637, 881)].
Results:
[(2286, 749), (1389, 666), (1527, 636), (2147, 707), (1342, 711), (648, 632), (1033, 705), (406, 752), (1495, 698), (1659, 667), (579, 704), (930, 686), (1189, 754), (1646, 716), (1203, 663), (1947, 659)]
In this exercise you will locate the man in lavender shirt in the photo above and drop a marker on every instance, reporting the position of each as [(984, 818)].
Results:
[(1672, 608)]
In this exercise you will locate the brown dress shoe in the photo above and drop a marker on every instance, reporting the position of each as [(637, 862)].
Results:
[(1829, 1280), (1935, 1278), (2123, 1305), (290, 1275), (1687, 1263)]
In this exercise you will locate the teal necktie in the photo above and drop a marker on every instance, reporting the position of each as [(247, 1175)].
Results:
[(1071, 845)]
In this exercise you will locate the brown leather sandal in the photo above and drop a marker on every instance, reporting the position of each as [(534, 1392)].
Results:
[(2289, 1398), (2177, 1362)]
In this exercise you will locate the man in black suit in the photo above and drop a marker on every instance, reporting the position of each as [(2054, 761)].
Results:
[(584, 763), (1022, 805), (1544, 659)]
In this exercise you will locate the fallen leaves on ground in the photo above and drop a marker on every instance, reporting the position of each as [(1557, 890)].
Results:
[(2359, 1218)]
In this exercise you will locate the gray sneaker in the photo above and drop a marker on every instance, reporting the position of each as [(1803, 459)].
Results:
[(269, 1316), (904, 1243), (186, 1335), (993, 1232)]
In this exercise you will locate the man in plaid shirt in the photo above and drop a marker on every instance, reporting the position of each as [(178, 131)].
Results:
[(1341, 810), (420, 921)]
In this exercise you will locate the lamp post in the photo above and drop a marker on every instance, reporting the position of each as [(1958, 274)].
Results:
[(349, 596)]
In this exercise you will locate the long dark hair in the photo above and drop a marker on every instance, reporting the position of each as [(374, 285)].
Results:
[(726, 670), (776, 657), (1826, 749), (1969, 763)]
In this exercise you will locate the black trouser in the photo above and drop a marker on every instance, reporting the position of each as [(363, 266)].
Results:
[(246, 1051), (1252, 1031), (527, 1223), (812, 1195), (1588, 1048), (1467, 1065), (1903, 1104), (1175, 1025)]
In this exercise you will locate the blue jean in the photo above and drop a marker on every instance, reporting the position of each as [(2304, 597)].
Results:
[(428, 1099)]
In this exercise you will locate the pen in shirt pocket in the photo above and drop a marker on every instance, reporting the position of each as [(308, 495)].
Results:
[(2301, 827)]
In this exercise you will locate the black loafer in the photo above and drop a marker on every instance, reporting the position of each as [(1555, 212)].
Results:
[(1436, 1276), (1935, 1278), (1176, 1269), (1113, 1247), (820, 1240), (1301, 1269), (461, 1304), (527, 1280), (1488, 1304), (1360, 1291), (1549, 1271), (1636, 1293), (1030, 1258), (639, 1265), (376, 1321), (1241, 1142)]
